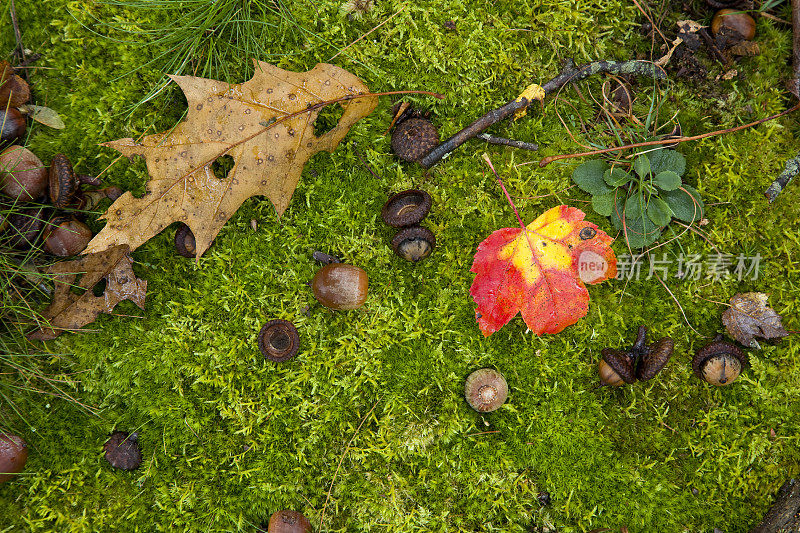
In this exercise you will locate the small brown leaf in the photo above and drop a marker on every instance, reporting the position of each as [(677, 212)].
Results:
[(750, 316), (44, 115), (70, 311)]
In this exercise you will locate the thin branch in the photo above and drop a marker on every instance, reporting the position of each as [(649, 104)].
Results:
[(568, 74), (492, 139), (17, 32), (547, 160)]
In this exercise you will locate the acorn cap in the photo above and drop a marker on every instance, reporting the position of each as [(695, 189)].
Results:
[(63, 183), (122, 450), (714, 349), (621, 363), (406, 208), (184, 241), (278, 340), (413, 138), (486, 390), (13, 456), (654, 358), (414, 243)]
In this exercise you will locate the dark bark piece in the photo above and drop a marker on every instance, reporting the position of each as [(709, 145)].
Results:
[(569, 74), (791, 170), (750, 316), (122, 451), (784, 515)]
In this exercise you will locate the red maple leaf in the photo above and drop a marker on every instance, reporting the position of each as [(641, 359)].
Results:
[(540, 271)]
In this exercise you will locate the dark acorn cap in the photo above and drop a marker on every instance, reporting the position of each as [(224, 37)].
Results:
[(654, 358), (63, 183), (184, 241), (122, 450), (621, 363), (414, 243), (413, 138), (715, 349), (278, 340), (406, 208)]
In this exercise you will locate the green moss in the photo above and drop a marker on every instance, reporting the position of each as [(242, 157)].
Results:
[(228, 439)]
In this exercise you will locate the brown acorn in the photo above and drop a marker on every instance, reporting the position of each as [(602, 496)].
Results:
[(12, 125), (735, 20), (406, 208), (66, 236), (122, 450), (486, 390), (184, 241), (25, 227), (278, 340), (719, 362), (13, 456), (413, 138), (288, 521), (63, 182), (616, 368), (23, 176), (14, 91), (340, 286), (414, 243), (641, 361)]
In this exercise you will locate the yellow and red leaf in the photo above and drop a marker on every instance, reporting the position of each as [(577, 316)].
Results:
[(540, 271)]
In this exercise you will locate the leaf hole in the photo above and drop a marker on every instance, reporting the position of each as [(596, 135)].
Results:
[(99, 287), (222, 166), (327, 119)]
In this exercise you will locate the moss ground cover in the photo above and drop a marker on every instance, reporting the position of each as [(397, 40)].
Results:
[(228, 438)]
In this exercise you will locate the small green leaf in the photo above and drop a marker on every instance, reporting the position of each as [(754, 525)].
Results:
[(665, 159), (641, 232), (635, 206), (616, 176), (603, 204), (658, 211), (642, 166), (618, 208), (589, 177), (667, 180), (686, 203)]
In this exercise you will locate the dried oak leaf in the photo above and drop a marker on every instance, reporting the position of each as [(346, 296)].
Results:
[(265, 124), (540, 271), (750, 316), (70, 311)]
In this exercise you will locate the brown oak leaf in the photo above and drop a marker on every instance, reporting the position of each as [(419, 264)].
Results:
[(70, 311), (750, 316), (265, 124)]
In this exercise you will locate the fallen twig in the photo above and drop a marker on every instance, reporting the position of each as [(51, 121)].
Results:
[(491, 139), (568, 74), (17, 32)]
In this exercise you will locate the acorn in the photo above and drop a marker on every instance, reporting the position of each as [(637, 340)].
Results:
[(287, 521), (413, 138), (340, 286), (14, 91), (26, 226), (719, 362), (66, 236), (122, 450), (406, 208), (486, 390), (12, 125), (641, 361), (63, 183), (414, 243), (13, 456), (735, 20), (23, 176), (278, 340), (184, 241)]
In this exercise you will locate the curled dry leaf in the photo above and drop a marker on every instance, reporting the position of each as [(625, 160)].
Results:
[(540, 271), (750, 316), (70, 311), (264, 124)]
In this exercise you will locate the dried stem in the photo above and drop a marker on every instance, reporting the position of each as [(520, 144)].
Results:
[(492, 139)]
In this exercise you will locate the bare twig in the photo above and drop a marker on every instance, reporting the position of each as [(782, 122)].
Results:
[(795, 82), (17, 32), (491, 139), (569, 74), (547, 160)]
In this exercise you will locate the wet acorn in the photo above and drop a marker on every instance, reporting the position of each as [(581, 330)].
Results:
[(63, 183), (23, 176), (278, 340), (413, 138), (735, 20), (406, 208), (641, 361), (719, 362), (14, 91), (486, 390), (13, 456), (414, 243), (66, 236), (287, 521), (185, 244), (340, 286), (122, 450), (12, 125)]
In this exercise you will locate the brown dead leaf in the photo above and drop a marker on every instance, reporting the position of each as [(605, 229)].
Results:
[(745, 48), (245, 122), (70, 311), (750, 316)]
